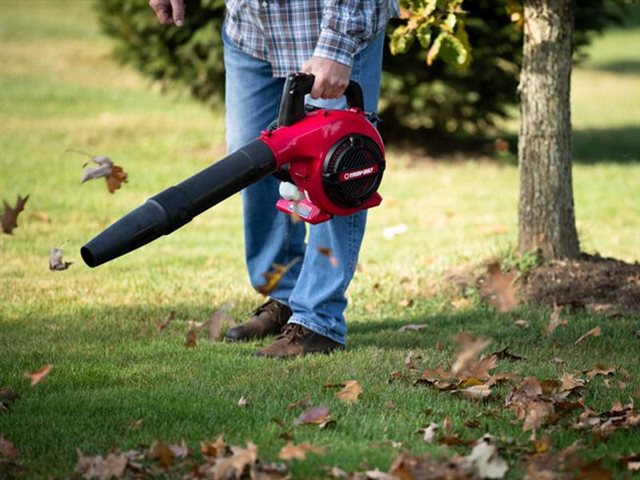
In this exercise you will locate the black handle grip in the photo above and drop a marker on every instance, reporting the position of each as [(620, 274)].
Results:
[(297, 86)]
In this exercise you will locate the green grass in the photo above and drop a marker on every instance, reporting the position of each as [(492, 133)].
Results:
[(60, 90)]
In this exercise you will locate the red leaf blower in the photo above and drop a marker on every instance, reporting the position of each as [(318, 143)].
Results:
[(334, 157)]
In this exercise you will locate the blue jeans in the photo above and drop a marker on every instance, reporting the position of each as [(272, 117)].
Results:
[(313, 288)]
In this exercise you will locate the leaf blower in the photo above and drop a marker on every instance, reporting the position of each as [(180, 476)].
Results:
[(335, 158)]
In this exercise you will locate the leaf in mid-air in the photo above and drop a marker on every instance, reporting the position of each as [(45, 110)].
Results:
[(55, 260), (10, 214)]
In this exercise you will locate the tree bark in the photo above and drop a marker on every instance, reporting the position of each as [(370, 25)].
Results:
[(546, 211)]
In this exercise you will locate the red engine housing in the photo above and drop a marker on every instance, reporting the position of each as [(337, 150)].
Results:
[(334, 157)]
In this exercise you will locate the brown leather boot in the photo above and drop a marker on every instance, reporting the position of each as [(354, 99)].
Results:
[(268, 319), (297, 340)]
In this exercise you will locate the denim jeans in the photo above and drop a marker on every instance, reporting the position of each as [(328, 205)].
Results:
[(313, 288)]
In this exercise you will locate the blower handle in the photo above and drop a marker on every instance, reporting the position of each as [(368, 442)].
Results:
[(297, 86)]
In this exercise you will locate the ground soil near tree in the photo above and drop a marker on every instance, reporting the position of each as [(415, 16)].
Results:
[(602, 285)]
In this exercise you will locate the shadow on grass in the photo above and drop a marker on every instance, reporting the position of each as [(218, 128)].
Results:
[(608, 145), (622, 67)]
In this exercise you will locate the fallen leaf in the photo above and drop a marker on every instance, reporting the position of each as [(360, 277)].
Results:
[(10, 214), (7, 397), (167, 320), (499, 289), (272, 278), (412, 327), (319, 415), (554, 321), (161, 452), (39, 375), (409, 363), (329, 254), (243, 402), (135, 424), (55, 260), (447, 424), (477, 392), (298, 452), (179, 450), (234, 466), (599, 369), (504, 354), (394, 231), (521, 323), (485, 459), (429, 433), (352, 390), (570, 382), (594, 332), (7, 448), (213, 449), (113, 465)]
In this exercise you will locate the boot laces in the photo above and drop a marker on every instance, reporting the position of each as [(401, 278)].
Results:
[(293, 332)]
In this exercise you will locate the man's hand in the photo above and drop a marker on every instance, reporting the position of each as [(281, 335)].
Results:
[(169, 12), (332, 78)]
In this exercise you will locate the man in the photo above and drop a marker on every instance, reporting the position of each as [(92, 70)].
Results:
[(264, 41)]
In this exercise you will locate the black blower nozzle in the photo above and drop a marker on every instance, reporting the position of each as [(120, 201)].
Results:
[(176, 206)]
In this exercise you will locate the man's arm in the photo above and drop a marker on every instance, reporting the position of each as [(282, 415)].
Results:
[(346, 26), (169, 12)]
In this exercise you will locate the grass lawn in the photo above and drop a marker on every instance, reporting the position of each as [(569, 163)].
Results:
[(98, 328)]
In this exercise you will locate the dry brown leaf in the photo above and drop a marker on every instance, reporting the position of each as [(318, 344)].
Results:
[(554, 321), (477, 392), (571, 382), (7, 448), (39, 375), (352, 390), (213, 449), (504, 354), (599, 369), (113, 465), (116, 178), (499, 289), (447, 424), (298, 452), (55, 260), (180, 450), (272, 278), (326, 251), (594, 332), (7, 397), (10, 214), (243, 402), (161, 452), (521, 323), (319, 415), (234, 466), (114, 175), (167, 320)]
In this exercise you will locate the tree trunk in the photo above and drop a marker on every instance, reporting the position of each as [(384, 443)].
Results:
[(546, 213)]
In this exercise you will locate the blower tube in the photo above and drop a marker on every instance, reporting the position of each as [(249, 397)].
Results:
[(177, 205)]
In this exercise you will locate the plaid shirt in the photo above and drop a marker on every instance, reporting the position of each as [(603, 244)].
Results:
[(286, 33)]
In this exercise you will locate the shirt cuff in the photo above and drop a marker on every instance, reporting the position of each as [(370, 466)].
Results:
[(336, 46)]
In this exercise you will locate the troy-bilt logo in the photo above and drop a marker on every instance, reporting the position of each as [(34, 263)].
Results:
[(362, 172)]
